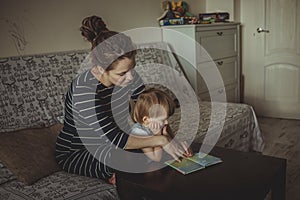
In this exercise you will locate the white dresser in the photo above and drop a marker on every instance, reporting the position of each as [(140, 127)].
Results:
[(209, 55)]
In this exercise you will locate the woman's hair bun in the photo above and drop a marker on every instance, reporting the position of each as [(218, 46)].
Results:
[(92, 27)]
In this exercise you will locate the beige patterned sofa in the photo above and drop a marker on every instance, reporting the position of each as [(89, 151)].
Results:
[(32, 92)]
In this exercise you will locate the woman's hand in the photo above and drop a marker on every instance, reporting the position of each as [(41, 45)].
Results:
[(175, 149), (188, 151)]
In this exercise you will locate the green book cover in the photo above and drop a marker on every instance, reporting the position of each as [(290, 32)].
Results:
[(185, 166), (196, 162)]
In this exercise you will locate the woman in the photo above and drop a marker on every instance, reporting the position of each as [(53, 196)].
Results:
[(96, 107)]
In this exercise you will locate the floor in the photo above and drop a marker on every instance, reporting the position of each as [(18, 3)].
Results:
[(282, 138)]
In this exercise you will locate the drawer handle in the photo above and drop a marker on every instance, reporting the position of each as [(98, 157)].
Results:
[(220, 62), (220, 33), (220, 91)]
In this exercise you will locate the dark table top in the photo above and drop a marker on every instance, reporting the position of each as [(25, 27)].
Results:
[(241, 175)]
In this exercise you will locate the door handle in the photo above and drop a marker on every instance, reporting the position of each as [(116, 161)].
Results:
[(259, 30)]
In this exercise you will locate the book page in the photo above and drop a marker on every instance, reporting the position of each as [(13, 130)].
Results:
[(185, 166), (204, 160)]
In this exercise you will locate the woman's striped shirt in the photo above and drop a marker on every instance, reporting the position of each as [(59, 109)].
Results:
[(95, 122)]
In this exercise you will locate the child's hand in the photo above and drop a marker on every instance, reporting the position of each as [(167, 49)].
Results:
[(164, 131), (156, 127)]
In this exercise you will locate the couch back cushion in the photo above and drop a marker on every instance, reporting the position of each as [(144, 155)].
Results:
[(33, 88)]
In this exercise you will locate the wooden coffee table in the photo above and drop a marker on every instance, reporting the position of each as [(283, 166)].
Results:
[(241, 175)]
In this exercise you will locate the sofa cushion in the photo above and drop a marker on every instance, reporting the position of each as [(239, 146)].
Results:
[(33, 88), (30, 153), (5, 174), (60, 186)]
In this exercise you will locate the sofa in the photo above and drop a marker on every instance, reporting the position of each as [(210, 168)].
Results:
[(32, 93)]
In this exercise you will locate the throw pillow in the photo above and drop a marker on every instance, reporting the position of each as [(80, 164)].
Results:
[(30, 153)]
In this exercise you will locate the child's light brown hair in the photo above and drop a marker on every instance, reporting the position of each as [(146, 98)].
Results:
[(149, 98)]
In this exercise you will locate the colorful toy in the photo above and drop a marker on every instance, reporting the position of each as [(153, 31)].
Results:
[(176, 12), (180, 9), (168, 13)]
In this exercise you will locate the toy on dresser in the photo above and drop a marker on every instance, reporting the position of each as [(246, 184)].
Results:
[(176, 12)]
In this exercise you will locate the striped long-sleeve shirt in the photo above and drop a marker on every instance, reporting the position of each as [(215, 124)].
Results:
[(95, 122)]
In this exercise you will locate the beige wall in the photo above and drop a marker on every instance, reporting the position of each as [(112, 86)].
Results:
[(39, 26), (221, 6)]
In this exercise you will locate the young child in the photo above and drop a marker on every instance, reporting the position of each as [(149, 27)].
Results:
[(151, 112)]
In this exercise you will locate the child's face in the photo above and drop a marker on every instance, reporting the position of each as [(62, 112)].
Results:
[(157, 118), (158, 123)]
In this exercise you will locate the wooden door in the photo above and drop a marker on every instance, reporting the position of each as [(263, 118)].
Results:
[(271, 56)]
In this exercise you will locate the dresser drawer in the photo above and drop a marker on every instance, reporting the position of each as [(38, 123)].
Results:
[(219, 46), (217, 43), (228, 69)]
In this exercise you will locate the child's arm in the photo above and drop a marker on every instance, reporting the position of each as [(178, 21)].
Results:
[(154, 153), (167, 131)]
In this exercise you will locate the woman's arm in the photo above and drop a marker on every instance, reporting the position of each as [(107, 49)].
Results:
[(139, 142), (168, 131), (154, 153), (173, 148)]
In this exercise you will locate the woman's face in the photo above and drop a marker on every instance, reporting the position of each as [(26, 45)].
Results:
[(121, 73)]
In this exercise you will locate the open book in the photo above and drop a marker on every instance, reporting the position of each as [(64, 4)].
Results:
[(196, 162)]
